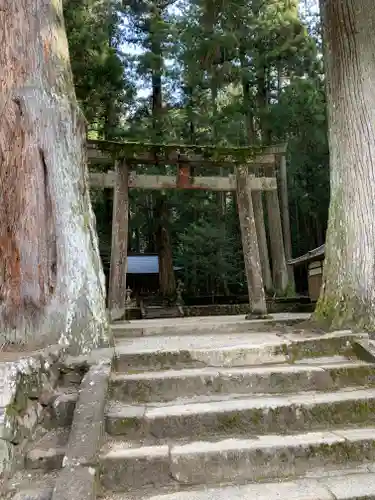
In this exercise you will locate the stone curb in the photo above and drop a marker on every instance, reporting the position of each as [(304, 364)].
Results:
[(76, 483), (365, 350), (78, 478)]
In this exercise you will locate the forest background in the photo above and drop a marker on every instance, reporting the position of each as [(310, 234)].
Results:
[(224, 72)]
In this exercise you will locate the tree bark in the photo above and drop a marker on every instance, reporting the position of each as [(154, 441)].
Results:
[(166, 274), (51, 280), (221, 195), (156, 77), (279, 268), (167, 280), (248, 104), (284, 202), (348, 291), (262, 99)]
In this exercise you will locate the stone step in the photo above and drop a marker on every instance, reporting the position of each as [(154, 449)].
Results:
[(48, 452), (208, 324), (34, 494), (60, 412), (341, 486), (234, 460), (159, 312), (170, 384), (258, 414), (162, 352), (30, 485)]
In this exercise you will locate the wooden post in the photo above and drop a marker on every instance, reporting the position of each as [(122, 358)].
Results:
[(119, 251), (253, 268), (262, 239), (285, 216), (279, 269), (183, 176)]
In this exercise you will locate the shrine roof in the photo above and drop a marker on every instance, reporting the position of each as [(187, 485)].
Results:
[(144, 264), (316, 254)]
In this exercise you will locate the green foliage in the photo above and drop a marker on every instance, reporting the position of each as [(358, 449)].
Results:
[(207, 259), (300, 115), (98, 68)]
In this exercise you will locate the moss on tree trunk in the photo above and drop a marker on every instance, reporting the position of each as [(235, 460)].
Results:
[(348, 291)]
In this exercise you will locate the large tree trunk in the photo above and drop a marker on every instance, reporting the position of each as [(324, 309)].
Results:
[(166, 275), (222, 282), (51, 280), (167, 280), (348, 291)]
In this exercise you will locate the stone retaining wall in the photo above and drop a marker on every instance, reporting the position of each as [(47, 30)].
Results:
[(273, 307), (233, 309), (26, 387)]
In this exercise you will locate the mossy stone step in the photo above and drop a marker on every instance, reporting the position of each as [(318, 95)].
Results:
[(207, 325), (234, 460), (171, 384), (343, 485), (160, 353), (235, 415)]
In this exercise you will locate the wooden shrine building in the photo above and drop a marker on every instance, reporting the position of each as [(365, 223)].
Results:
[(143, 274), (253, 172), (313, 262)]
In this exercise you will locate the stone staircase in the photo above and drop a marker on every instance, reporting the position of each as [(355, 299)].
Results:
[(158, 308), (223, 414), (160, 312), (240, 416)]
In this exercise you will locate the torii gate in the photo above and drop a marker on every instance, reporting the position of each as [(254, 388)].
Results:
[(254, 173)]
